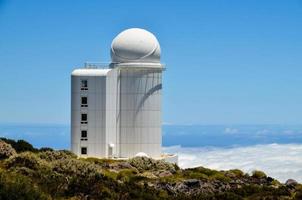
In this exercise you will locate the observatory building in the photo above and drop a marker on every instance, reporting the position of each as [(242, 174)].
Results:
[(116, 111)]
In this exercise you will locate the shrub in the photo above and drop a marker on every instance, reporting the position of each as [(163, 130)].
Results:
[(45, 149), (237, 172), (102, 162), (75, 167), (26, 159), (23, 146), (85, 178), (144, 163), (258, 174), (20, 145), (6, 150), (298, 194), (194, 175), (206, 171), (56, 155), (126, 175), (14, 186), (221, 177), (275, 182)]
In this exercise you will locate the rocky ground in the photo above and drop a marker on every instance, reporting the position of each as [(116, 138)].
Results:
[(29, 173)]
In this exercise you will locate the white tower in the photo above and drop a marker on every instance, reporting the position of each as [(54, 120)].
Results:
[(116, 112)]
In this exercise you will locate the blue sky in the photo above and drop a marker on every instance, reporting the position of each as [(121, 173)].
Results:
[(228, 62)]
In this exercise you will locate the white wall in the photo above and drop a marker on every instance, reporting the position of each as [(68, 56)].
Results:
[(140, 128), (96, 111), (124, 109)]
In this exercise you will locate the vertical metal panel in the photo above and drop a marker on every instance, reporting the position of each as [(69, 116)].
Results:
[(141, 115)]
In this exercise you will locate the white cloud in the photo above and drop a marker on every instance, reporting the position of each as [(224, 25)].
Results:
[(230, 130), (281, 161)]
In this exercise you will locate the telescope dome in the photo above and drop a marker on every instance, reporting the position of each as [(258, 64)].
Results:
[(135, 45)]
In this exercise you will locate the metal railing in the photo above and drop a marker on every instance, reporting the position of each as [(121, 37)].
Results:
[(96, 65), (102, 65)]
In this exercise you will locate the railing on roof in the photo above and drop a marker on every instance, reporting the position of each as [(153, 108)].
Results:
[(100, 65), (95, 65)]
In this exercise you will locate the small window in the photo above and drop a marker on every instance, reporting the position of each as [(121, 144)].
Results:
[(83, 135), (84, 150), (84, 119), (84, 85), (84, 102)]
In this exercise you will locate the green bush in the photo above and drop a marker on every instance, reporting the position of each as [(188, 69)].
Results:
[(221, 177), (75, 168), (237, 172), (6, 150), (206, 171), (26, 159), (126, 175), (14, 186), (102, 162), (190, 174), (56, 155), (258, 174), (20, 145), (45, 149), (144, 163)]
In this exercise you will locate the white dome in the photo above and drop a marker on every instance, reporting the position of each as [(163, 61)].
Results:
[(135, 45), (141, 154)]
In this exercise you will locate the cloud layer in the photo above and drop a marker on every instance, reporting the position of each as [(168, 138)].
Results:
[(281, 161)]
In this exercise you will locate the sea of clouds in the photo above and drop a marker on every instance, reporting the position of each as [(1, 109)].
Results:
[(274, 149), (281, 161)]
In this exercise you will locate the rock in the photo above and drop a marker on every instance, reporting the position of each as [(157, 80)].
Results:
[(170, 189), (181, 187), (192, 183), (291, 182), (164, 174), (125, 165)]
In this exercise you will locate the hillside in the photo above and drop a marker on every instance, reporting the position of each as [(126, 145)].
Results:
[(29, 173)]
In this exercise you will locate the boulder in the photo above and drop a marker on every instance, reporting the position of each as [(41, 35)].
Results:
[(291, 182), (164, 174)]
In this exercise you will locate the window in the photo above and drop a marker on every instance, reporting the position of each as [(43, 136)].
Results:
[(84, 150), (84, 102), (84, 85), (84, 119), (84, 135)]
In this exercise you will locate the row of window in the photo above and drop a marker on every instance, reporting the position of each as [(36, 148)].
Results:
[(84, 116)]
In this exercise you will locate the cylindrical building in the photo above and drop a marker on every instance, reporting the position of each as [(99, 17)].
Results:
[(136, 54)]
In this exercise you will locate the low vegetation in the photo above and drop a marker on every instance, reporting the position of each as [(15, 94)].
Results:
[(29, 173)]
